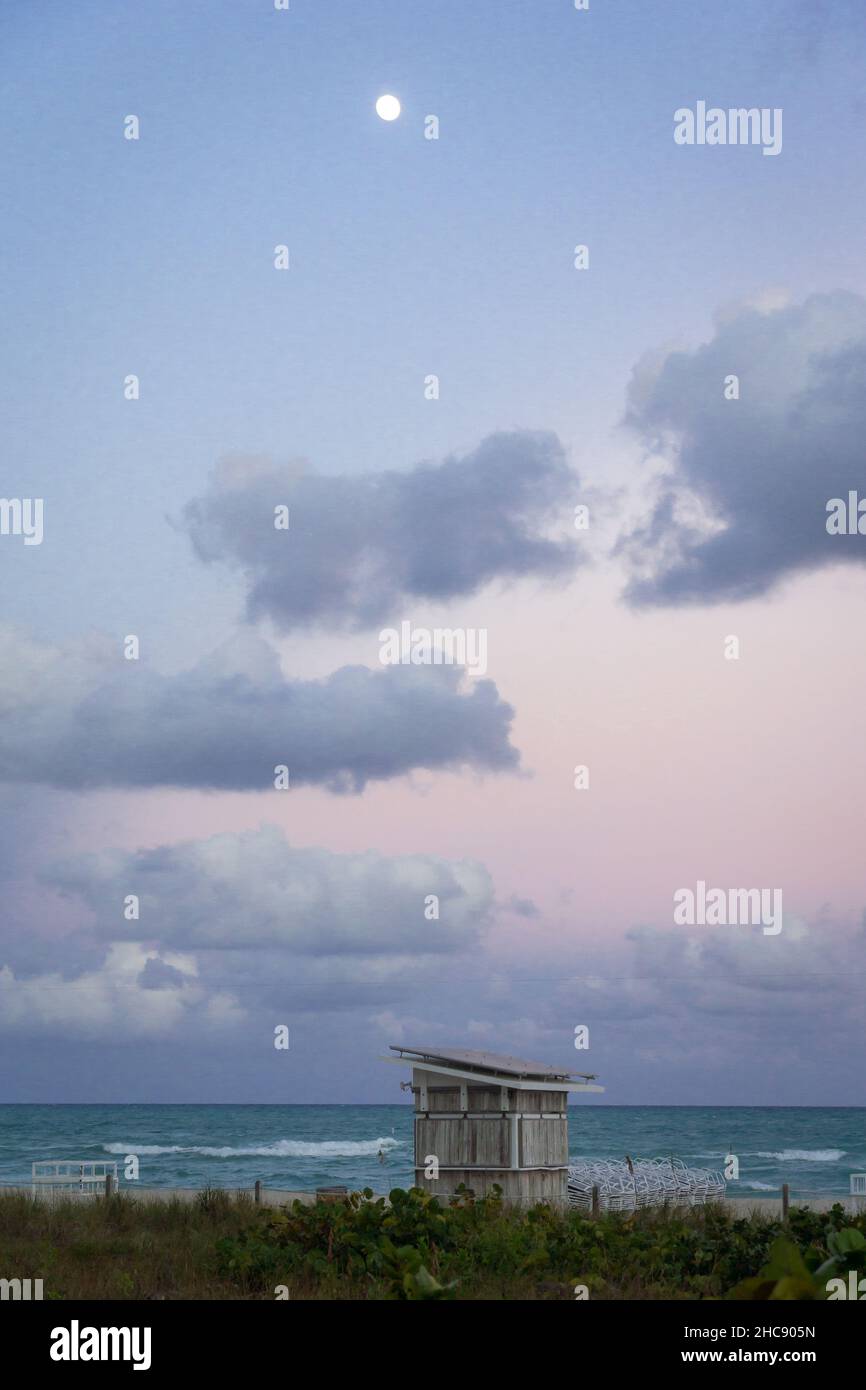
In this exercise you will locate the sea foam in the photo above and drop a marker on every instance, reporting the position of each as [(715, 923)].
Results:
[(802, 1155), (281, 1148)]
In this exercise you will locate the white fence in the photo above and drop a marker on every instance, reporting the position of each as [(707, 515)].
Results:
[(70, 1176)]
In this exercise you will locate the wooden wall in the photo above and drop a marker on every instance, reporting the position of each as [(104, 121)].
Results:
[(482, 1143), (465, 1143), (519, 1188), (543, 1143), (483, 1134), (443, 1096)]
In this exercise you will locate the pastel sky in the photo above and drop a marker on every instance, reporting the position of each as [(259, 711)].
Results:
[(607, 647)]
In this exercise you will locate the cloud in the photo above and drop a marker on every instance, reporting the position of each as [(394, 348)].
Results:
[(682, 1016), (744, 501), (359, 546), (80, 716), (252, 932), (521, 907), (133, 992), (253, 889)]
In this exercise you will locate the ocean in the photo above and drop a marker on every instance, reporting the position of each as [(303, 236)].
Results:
[(301, 1146)]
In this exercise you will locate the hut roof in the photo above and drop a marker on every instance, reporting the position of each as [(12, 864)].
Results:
[(488, 1063)]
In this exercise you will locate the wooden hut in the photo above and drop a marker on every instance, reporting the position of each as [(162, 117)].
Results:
[(483, 1119)]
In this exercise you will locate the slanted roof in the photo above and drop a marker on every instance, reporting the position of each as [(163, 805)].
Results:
[(487, 1063)]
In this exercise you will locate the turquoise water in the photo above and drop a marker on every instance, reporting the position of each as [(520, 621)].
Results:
[(299, 1146)]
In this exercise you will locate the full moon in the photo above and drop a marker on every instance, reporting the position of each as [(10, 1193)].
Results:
[(388, 108)]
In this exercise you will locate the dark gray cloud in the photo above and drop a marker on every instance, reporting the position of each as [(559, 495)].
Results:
[(253, 889), (521, 907), (745, 502), (358, 546), (83, 717)]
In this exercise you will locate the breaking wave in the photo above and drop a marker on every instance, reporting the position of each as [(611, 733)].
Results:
[(281, 1148), (802, 1155)]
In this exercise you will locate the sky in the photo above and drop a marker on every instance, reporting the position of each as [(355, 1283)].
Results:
[(430, 389)]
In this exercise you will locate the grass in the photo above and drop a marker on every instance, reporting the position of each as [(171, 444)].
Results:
[(121, 1248), (223, 1247)]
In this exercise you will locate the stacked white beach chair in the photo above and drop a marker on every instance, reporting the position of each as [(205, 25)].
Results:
[(626, 1184)]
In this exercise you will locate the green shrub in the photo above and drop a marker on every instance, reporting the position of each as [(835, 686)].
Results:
[(414, 1246), (417, 1247)]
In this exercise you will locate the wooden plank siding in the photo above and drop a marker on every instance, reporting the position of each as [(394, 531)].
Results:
[(540, 1102), (543, 1143), (484, 1100), (440, 1098), (464, 1143), (519, 1188), (469, 1142)]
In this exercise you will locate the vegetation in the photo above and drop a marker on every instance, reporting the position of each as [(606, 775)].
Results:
[(121, 1248), (792, 1274), (414, 1247)]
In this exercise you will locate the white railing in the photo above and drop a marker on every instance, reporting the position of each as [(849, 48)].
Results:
[(68, 1175), (858, 1184)]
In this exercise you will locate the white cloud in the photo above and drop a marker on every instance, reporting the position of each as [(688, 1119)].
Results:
[(112, 1000)]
